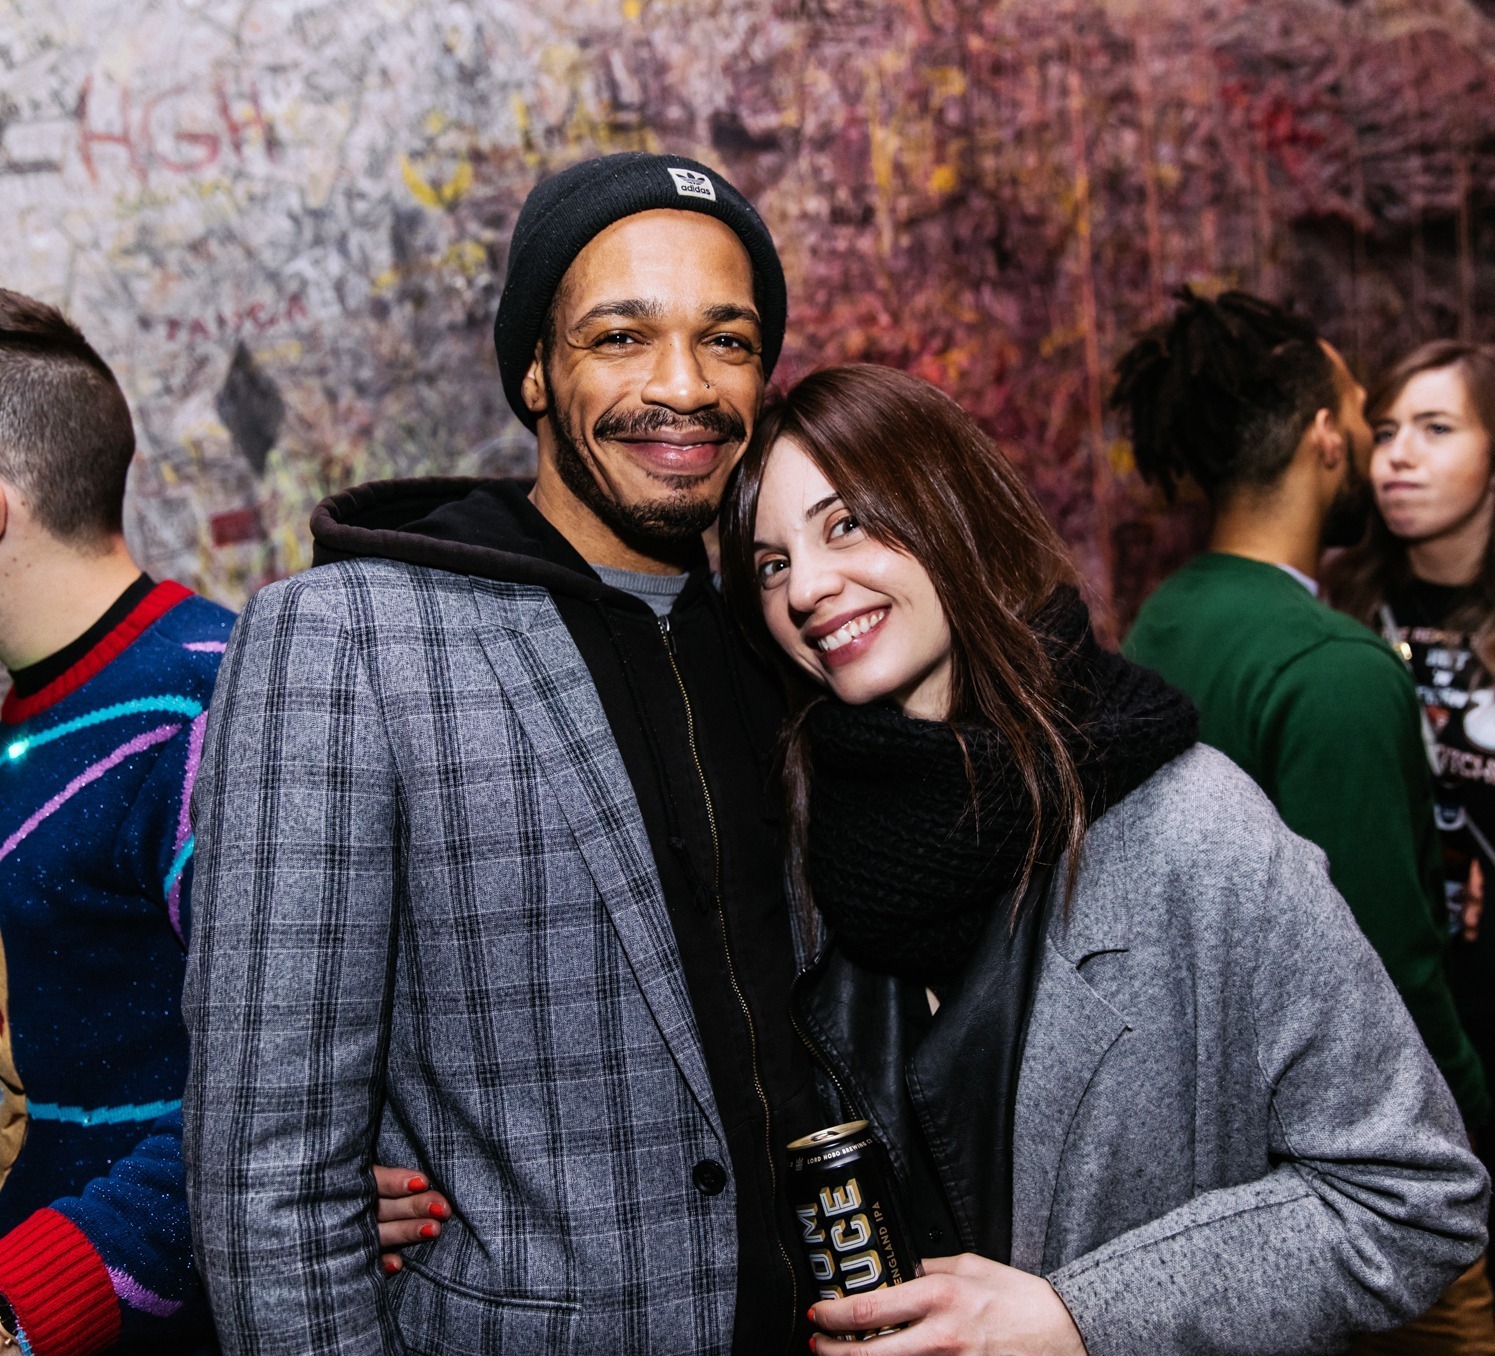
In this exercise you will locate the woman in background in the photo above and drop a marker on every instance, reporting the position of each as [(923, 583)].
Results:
[(1131, 1058), (1425, 577)]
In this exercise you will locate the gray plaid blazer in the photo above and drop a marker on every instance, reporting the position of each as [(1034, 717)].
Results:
[(429, 932)]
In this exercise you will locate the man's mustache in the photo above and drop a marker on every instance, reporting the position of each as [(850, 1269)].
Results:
[(640, 423)]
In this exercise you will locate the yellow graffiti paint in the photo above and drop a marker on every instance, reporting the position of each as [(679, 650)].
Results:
[(947, 82), (883, 138), (1120, 455), (468, 257), (437, 195), (286, 351), (1063, 337), (522, 124), (461, 181)]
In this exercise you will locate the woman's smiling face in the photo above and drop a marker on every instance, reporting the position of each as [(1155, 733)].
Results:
[(860, 617)]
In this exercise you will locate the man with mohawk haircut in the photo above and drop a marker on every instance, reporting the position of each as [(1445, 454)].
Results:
[(100, 734)]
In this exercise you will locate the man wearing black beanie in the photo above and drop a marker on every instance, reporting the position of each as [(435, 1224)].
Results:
[(489, 880)]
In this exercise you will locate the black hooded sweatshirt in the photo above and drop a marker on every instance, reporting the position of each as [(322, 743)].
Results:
[(695, 717)]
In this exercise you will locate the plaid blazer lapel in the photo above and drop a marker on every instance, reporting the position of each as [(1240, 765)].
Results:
[(546, 683)]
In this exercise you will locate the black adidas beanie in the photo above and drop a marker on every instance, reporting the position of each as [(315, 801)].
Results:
[(564, 213)]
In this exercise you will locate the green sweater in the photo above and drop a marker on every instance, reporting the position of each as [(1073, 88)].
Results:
[(1318, 710)]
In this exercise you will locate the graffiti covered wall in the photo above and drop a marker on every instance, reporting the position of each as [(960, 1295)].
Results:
[(284, 221)]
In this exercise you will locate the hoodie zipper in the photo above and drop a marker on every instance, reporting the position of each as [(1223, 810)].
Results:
[(747, 1013)]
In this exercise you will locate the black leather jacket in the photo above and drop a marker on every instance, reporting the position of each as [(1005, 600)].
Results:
[(939, 1090)]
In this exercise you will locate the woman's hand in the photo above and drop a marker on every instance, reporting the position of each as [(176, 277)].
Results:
[(966, 1305), (408, 1212)]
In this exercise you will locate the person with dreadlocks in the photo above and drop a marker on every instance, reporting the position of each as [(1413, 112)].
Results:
[(1265, 417)]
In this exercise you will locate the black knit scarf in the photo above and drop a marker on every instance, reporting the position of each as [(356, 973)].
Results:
[(903, 863)]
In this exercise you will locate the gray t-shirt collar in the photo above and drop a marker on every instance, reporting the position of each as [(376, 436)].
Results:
[(656, 591)]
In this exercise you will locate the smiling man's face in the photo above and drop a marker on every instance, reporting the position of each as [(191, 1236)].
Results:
[(647, 388)]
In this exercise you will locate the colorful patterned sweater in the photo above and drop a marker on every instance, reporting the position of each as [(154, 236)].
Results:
[(95, 874)]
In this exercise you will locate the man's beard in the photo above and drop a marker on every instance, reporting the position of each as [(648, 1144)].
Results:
[(1349, 514), (669, 522)]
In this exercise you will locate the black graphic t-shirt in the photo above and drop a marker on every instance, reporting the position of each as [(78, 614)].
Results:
[(1457, 693)]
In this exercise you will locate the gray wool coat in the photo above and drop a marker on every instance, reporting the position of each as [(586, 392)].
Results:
[(428, 928), (1229, 1136)]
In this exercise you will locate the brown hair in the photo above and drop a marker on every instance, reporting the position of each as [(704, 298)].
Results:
[(1362, 578), (65, 433), (921, 477)]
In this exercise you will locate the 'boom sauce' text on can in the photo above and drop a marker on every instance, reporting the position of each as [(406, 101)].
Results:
[(842, 1190)]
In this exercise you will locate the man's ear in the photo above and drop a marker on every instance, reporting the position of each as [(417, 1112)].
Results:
[(1328, 439), (533, 388), (5, 493)]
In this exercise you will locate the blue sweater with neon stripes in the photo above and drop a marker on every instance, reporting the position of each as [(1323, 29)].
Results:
[(95, 881)]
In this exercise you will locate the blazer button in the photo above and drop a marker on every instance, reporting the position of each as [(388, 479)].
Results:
[(710, 1177)]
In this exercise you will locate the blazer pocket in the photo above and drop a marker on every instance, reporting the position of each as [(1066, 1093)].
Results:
[(439, 1318)]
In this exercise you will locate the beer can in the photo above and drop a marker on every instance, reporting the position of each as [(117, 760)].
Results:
[(849, 1223)]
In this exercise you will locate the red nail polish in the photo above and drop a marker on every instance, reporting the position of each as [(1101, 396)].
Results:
[(429, 1230), (390, 1266), (437, 1210), (810, 1313), (416, 1184)]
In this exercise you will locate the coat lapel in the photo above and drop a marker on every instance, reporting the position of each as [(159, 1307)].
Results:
[(546, 682), (1070, 1030)]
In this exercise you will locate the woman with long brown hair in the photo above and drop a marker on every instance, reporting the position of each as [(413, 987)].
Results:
[(1425, 577), (1143, 1084)]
